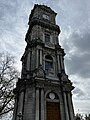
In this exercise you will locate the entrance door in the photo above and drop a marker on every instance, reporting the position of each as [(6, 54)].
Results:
[(53, 111)]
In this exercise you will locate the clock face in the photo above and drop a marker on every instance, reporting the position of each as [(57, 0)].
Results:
[(45, 16), (52, 96)]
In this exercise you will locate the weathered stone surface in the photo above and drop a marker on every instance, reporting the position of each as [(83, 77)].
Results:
[(43, 75)]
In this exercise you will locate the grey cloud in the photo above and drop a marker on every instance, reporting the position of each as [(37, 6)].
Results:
[(79, 93), (9, 15), (79, 59), (81, 41), (78, 66), (74, 13)]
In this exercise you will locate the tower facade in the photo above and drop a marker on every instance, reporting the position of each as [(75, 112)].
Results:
[(44, 91)]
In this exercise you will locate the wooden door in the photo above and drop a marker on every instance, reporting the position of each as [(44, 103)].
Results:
[(53, 111)]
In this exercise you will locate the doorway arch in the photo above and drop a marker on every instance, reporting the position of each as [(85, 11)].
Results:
[(52, 106)]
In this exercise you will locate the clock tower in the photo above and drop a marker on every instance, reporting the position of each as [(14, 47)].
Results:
[(44, 91)]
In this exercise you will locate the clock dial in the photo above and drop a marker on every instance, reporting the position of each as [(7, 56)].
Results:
[(45, 16)]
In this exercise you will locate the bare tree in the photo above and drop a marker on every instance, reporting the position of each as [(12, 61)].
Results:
[(8, 77), (82, 117), (79, 117), (87, 117)]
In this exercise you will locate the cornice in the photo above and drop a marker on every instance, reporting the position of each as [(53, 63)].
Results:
[(36, 21), (35, 42), (58, 48), (43, 7)]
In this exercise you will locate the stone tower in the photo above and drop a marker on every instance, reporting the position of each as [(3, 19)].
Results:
[(44, 91)]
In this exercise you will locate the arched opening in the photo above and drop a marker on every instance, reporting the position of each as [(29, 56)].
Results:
[(47, 38), (52, 106), (48, 63)]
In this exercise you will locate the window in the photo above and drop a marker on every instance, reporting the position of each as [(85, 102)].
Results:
[(48, 62), (47, 38), (45, 16)]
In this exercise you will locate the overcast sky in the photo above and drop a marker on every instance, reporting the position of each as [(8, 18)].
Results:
[(73, 17)]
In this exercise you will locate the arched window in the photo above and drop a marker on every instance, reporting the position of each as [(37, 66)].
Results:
[(48, 62), (47, 38)]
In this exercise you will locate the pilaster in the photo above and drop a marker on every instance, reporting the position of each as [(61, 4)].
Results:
[(28, 64), (59, 70), (70, 107), (37, 58), (42, 104), (62, 62), (37, 104), (66, 107), (20, 108), (40, 56)]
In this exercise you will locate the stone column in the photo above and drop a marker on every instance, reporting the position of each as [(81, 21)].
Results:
[(58, 64), (40, 57), (66, 107), (28, 61), (51, 40), (28, 64), (37, 105), (43, 37), (70, 107), (20, 109), (42, 104), (21, 101), (37, 58), (62, 63), (62, 114)]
